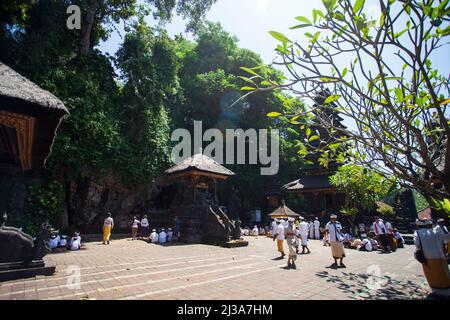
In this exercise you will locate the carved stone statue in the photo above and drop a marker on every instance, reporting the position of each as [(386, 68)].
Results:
[(17, 246), (237, 229)]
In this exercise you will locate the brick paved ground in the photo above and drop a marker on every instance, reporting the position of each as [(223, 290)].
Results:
[(137, 270)]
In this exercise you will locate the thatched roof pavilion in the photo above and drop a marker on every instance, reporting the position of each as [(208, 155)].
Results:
[(200, 165), (283, 211), (29, 118)]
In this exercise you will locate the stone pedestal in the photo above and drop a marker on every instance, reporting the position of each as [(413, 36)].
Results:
[(17, 270)]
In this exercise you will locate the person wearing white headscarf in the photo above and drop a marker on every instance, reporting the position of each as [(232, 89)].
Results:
[(429, 252), (54, 240), (169, 235), (255, 231)]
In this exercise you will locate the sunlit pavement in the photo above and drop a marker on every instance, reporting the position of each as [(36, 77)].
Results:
[(137, 270)]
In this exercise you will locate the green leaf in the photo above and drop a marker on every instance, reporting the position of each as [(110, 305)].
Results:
[(344, 72), (249, 71), (358, 5), (327, 79), (304, 20), (312, 138), (298, 26), (308, 132), (274, 114), (279, 36), (332, 98), (248, 88)]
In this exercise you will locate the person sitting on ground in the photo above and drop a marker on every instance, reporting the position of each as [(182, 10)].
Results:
[(162, 238), (255, 231), (262, 231), (154, 236), (373, 241), (246, 231), (54, 240), (63, 242), (355, 243), (365, 245), (348, 238), (399, 239), (169, 235), (75, 242)]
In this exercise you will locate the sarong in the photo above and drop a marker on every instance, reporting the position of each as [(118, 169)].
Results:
[(280, 246), (292, 249), (392, 242), (337, 249), (305, 241), (106, 233), (437, 274)]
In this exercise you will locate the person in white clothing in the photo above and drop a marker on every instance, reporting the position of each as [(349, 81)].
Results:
[(63, 242), (134, 228), (255, 231), (154, 236), (429, 253), (279, 236), (380, 231), (75, 242), (169, 235), (274, 227), (162, 237), (316, 229), (303, 230), (334, 229), (311, 229), (54, 240), (145, 227), (365, 245)]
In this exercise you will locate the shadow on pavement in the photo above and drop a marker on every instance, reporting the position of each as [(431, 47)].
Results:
[(371, 287)]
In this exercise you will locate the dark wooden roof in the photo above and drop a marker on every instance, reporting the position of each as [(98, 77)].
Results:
[(283, 211), (200, 164), (312, 182)]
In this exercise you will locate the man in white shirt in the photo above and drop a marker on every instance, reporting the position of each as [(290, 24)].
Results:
[(316, 229), (380, 231), (435, 266), (154, 236), (303, 228), (279, 236), (162, 237), (54, 240), (290, 236), (255, 231), (334, 229)]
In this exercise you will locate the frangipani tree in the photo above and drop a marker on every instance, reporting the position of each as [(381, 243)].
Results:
[(377, 75)]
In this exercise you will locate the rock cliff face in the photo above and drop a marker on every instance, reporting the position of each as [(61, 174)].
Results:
[(88, 201)]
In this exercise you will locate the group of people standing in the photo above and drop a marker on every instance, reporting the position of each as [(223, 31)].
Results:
[(296, 232), (142, 227)]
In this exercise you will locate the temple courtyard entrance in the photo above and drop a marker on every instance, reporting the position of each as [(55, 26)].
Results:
[(137, 270)]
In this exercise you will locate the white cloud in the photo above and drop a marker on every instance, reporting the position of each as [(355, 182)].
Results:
[(262, 5)]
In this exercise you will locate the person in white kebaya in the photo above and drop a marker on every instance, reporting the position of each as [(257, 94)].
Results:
[(162, 237)]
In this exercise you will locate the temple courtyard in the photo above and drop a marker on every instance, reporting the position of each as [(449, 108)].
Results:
[(137, 270)]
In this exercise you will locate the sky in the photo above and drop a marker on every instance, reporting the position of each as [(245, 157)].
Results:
[(251, 21)]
